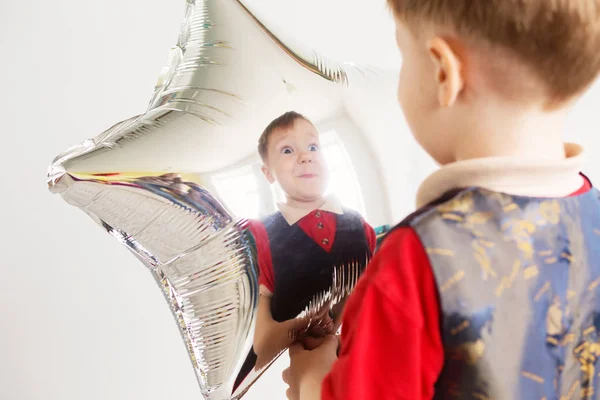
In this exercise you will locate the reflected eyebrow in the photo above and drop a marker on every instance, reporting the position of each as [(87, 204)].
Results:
[(314, 137), (277, 143), (281, 139)]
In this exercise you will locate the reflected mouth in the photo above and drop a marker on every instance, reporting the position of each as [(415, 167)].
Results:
[(307, 176)]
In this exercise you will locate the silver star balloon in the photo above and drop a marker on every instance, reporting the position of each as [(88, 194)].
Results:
[(149, 180)]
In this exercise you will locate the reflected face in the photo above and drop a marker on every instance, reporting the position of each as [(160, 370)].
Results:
[(295, 161)]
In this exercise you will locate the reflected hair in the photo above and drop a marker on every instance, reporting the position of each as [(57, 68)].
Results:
[(558, 40), (283, 122)]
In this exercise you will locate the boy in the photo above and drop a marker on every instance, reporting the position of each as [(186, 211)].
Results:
[(299, 245), (491, 289)]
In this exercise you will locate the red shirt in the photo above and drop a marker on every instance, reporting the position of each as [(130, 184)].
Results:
[(391, 340), (318, 225)]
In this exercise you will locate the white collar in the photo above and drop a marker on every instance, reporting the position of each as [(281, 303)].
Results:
[(509, 175), (295, 214)]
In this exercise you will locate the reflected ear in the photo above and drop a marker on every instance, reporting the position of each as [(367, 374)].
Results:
[(267, 172), (448, 74)]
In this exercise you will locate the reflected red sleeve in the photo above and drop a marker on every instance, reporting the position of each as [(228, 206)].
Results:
[(263, 250), (391, 341), (370, 235)]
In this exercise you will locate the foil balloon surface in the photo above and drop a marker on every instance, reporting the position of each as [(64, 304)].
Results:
[(177, 184)]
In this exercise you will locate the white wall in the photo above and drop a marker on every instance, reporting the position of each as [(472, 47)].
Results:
[(584, 128), (80, 318)]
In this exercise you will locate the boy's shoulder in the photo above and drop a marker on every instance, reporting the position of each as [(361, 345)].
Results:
[(350, 212), (262, 223), (269, 216), (447, 199), (475, 204), (271, 219), (456, 199)]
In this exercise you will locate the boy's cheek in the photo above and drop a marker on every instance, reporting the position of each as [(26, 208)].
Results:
[(406, 102), (404, 87)]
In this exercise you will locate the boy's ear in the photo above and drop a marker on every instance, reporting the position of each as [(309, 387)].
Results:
[(448, 71), (267, 172)]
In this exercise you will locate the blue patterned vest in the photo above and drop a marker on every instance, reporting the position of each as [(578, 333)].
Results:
[(519, 286)]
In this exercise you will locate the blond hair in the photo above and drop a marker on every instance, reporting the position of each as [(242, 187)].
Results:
[(558, 40)]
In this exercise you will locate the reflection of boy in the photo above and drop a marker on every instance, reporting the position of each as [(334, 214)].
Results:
[(491, 289), (299, 245)]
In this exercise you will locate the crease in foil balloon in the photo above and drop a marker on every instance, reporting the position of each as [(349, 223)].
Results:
[(306, 57), (345, 278), (205, 267), (150, 180)]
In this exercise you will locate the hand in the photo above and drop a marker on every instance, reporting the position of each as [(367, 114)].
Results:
[(281, 336), (308, 368), (323, 324)]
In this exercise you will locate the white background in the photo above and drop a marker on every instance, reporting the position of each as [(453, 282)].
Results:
[(80, 318)]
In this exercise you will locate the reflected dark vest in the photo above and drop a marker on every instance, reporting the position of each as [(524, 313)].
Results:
[(519, 285), (302, 268)]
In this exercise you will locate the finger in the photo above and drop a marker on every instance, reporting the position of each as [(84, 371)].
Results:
[(331, 314), (295, 349), (300, 324), (330, 329), (311, 343), (322, 312), (331, 341), (326, 320), (339, 344), (339, 339), (285, 375)]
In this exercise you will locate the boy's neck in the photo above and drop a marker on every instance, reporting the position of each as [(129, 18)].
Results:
[(305, 205), (506, 130)]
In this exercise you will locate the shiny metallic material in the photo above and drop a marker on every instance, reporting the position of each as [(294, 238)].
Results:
[(150, 180), (345, 278), (198, 254)]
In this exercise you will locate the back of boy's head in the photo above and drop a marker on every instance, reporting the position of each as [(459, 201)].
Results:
[(558, 40), (283, 122)]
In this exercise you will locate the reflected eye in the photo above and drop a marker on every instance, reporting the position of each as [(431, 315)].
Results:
[(287, 150), (313, 147)]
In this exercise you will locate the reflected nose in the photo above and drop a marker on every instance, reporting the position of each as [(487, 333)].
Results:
[(305, 157)]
